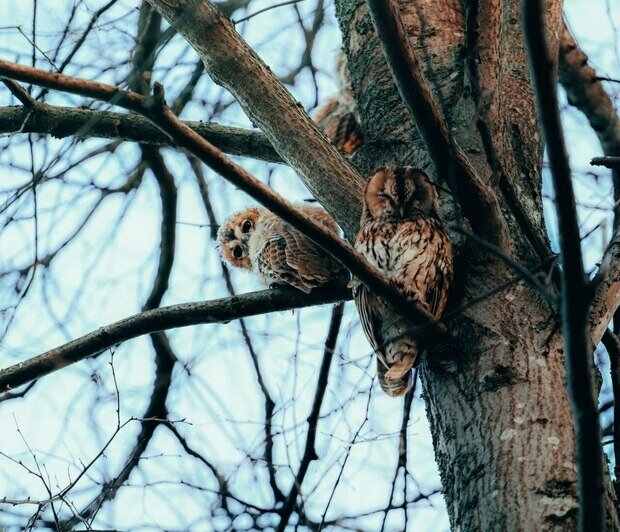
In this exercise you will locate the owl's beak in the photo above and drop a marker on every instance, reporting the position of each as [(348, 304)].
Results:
[(402, 211)]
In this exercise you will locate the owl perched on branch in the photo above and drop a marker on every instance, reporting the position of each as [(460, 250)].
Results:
[(338, 117), (256, 239), (402, 235)]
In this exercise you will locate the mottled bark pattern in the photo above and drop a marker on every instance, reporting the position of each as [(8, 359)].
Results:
[(496, 396)]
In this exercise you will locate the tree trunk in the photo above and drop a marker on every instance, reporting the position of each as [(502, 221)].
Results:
[(496, 397)]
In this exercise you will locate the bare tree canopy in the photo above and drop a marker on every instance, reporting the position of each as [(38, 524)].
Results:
[(145, 384)]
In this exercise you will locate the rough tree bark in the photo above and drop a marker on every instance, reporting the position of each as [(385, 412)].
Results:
[(496, 397)]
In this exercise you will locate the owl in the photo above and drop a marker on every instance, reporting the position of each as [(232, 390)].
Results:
[(402, 235), (338, 117), (256, 239)]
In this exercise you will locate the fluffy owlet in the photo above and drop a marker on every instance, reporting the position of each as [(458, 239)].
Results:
[(338, 117), (402, 235), (256, 239)]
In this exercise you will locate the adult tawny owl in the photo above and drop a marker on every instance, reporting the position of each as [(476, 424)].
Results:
[(402, 235), (256, 239), (338, 117)]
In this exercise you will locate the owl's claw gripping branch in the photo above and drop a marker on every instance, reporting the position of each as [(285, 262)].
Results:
[(155, 109)]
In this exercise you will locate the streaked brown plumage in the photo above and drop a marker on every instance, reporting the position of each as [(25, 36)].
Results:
[(256, 239), (402, 235), (338, 117)]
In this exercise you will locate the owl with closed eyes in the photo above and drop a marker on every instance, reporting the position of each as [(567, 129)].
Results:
[(257, 240), (401, 233)]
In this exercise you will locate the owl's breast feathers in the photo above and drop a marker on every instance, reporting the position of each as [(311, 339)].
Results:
[(414, 254)]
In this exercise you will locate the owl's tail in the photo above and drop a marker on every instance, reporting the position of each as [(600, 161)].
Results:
[(394, 368)]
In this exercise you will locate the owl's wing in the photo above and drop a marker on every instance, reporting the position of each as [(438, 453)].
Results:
[(272, 264), (292, 259), (423, 269), (440, 272), (369, 309)]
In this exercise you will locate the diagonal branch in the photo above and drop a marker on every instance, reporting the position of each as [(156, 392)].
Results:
[(182, 315), (574, 284), (156, 110), (63, 122), (478, 201), (586, 92), (234, 65)]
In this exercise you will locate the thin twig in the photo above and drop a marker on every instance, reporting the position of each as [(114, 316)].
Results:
[(313, 418), (20, 93), (263, 10)]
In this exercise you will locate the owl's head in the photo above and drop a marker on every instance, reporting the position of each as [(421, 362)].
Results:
[(233, 236), (400, 193)]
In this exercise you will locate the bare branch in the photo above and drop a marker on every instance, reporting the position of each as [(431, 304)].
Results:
[(20, 93), (606, 300), (574, 284), (182, 315), (608, 161), (63, 122), (586, 92)]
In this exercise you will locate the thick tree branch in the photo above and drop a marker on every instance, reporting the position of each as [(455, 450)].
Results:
[(182, 315), (574, 284), (478, 202), (156, 110), (235, 66), (61, 122), (586, 92)]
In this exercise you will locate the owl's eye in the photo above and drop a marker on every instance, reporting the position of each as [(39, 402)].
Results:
[(247, 225), (237, 252)]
